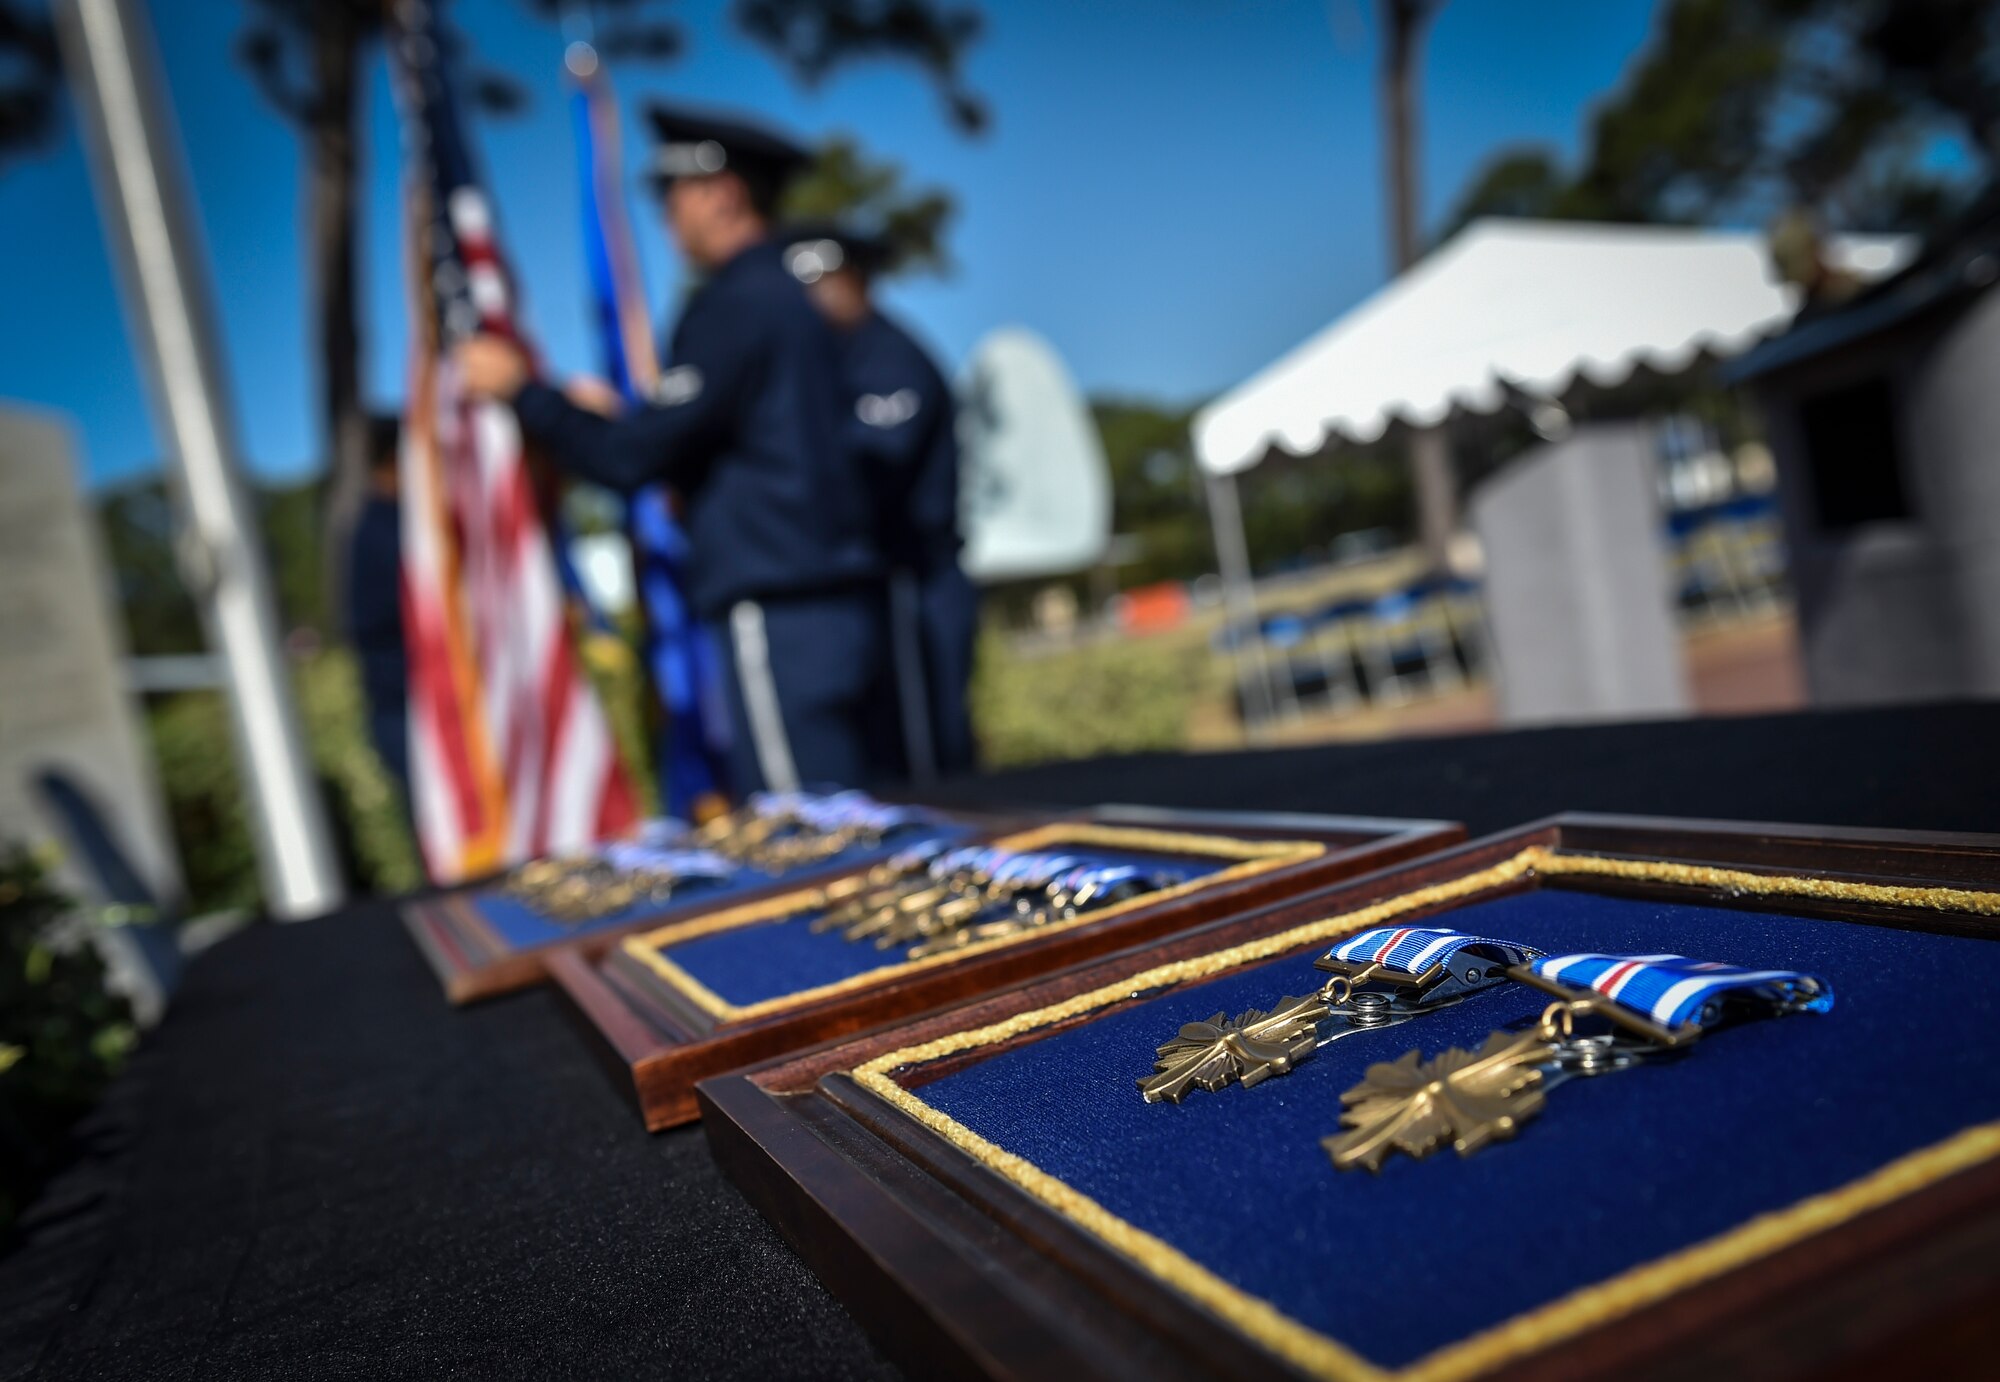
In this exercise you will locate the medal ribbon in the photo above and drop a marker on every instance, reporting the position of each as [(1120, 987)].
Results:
[(1096, 878), (1413, 950), (998, 864), (660, 832), (630, 857), (1056, 872), (851, 811), (1031, 870), (917, 856), (1672, 989)]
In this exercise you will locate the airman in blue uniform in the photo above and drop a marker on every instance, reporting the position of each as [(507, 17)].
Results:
[(905, 427), (751, 424), (375, 604)]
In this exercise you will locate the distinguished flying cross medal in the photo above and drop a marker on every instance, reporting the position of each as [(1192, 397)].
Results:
[(612, 878), (1380, 978), (933, 901), (773, 831), (1652, 1004), (786, 830)]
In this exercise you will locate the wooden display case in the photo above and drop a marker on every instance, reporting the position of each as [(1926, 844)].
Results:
[(664, 1023), (1815, 1195), (481, 943)]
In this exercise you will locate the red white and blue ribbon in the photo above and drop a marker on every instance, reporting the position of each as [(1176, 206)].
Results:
[(632, 857), (919, 855), (1672, 990), (1095, 881), (1415, 950), (849, 810), (1030, 870), (854, 811), (840, 811), (661, 831), (1057, 873)]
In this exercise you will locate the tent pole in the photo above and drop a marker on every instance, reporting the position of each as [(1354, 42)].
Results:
[(1437, 493), (1239, 602)]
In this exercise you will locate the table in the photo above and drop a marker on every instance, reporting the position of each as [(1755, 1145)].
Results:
[(316, 1167)]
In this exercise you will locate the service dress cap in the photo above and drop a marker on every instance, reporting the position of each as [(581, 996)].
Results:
[(695, 142), (818, 247)]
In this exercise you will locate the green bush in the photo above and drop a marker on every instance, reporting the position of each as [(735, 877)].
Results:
[(1127, 696), (198, 773), (196, 758), (366, 802), (62, 1037)]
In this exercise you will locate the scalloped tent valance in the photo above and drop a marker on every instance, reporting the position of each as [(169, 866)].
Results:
[(1535, 304)]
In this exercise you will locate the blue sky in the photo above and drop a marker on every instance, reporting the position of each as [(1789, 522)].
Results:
[(1173, 191)]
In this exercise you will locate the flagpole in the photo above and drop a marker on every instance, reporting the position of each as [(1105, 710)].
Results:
[(147, 215), (673, 661)]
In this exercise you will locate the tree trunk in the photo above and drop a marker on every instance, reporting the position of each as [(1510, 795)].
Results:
[(332, 163), (1402, 40), (1403, 24)]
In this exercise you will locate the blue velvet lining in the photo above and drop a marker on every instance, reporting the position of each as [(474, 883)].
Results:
[(773, 959), (521, 926), (1616, 1172)]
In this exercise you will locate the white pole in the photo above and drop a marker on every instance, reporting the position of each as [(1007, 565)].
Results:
[(143, 200), (1239, 601)]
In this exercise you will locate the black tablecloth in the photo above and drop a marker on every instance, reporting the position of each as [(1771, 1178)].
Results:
[(315, 1168)]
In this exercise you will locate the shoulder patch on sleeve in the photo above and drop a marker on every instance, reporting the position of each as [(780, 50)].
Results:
[(888, 410), (681, 384)]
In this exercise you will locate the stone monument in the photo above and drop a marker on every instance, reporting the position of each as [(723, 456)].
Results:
[(64, 704), (1578, 592)]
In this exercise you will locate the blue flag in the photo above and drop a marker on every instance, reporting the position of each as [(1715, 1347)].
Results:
[(678, 659)]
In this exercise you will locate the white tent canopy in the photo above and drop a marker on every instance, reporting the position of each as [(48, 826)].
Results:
[(1535, 304)]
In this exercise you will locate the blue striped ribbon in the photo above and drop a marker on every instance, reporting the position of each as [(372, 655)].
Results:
[(631, 857), (1096, 877), (1414, 950), (1062, 871), (776, 803), (1032, 870), (834, 810), (854, 811), (1091, 884), (1672, 990), (661, 832), (971, 859), (842, 809), (919, 855)]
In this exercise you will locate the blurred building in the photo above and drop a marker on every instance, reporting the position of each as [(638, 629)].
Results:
[(1882, 413)]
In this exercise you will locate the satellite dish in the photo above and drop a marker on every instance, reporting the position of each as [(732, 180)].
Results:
[(1034, 491)]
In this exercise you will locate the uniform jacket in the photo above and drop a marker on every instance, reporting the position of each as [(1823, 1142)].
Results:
[(752, 423), (906, 430)]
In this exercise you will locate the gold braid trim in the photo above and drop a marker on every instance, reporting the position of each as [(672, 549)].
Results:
[(1256, 856), (1591, 1306), (1302, 1347), (1783, 885), (1537, 1329)]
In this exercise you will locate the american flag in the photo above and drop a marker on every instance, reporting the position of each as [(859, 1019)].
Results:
[(511, 755)]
